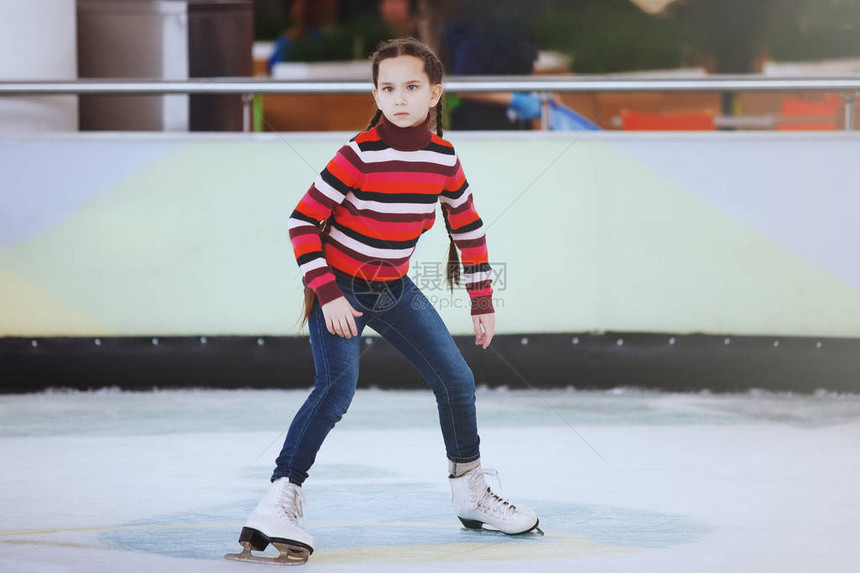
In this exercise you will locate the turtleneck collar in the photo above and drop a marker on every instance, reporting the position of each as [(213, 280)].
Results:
[(405, 138)]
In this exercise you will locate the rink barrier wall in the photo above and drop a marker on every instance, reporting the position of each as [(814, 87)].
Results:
[(742, 233), (747, 235), (680, 363)]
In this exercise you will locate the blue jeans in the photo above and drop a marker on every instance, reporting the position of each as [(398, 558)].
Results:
[(403, 316)]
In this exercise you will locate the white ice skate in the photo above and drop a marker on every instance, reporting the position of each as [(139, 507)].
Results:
[(477, 505), (275, 520)]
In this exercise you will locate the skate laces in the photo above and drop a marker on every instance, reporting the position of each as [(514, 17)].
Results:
[(291, 499), (488, 500)]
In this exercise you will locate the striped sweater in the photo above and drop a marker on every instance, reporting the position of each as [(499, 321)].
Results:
[(379, 194)]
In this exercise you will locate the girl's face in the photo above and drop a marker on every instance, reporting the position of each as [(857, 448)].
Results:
[(403, 92)]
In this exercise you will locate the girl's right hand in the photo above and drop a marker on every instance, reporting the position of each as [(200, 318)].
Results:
[(339, 317)]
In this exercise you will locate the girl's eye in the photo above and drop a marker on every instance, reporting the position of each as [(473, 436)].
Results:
[(413, 87), (387, 89)]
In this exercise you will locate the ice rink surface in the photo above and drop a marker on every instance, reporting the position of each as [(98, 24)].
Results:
[(622, 480)]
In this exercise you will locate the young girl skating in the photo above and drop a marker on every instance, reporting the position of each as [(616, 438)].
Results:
[(353, 233)]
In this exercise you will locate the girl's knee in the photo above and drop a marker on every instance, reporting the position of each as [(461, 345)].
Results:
[(335, 393), (336, 403), (463, 376), (458, 387)]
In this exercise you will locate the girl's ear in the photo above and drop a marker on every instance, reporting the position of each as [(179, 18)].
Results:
[(435, 94), (375, 94)]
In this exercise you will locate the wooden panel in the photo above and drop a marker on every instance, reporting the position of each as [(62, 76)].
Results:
[(317, 112)]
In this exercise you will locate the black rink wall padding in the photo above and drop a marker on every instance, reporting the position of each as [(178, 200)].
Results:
[(582, 360)]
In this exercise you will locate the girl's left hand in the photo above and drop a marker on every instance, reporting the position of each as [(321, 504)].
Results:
[(488, 322)]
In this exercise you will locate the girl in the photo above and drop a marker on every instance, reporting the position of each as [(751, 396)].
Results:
[(353, 233)]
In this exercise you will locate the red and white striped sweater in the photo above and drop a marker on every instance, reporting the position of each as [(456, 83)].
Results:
[(380, 193)]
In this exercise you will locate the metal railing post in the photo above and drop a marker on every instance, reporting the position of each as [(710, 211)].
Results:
[(544, 110), (247, 110), (849, 109)]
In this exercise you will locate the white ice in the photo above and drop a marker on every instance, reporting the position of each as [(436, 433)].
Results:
[(623, 480)]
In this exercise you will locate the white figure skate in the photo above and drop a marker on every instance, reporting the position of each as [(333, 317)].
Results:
[(477, 505), (275, 520)]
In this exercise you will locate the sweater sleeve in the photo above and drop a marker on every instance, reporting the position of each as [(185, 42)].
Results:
[(325, 194), (467, 230)]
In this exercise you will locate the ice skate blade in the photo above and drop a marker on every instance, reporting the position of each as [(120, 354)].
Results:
[(289, 555), (478, 527)]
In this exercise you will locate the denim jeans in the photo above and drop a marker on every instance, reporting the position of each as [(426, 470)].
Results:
[(403, 316)]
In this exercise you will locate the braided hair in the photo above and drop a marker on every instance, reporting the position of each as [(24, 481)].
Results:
[(433, 69)]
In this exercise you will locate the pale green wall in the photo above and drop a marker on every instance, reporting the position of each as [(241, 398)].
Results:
[(592, 236)]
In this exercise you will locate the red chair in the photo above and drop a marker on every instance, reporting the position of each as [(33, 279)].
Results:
[(815, 113), (691, 121)]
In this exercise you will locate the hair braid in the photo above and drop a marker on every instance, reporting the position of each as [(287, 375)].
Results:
[(310, 295), (434, 71), (375, 119), (452, 271), (439, 118)]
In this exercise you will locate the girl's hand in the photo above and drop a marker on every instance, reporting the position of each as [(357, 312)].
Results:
[(339, 317), (488, 322)]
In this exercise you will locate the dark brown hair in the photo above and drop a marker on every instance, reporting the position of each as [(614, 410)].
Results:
[(310, 296), (433, 69)]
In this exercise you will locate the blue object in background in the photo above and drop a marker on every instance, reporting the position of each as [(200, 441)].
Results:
[(283, 46), (525, 106), (562, 117)]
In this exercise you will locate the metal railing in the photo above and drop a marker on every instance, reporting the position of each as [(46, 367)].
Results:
[(848, 87)]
